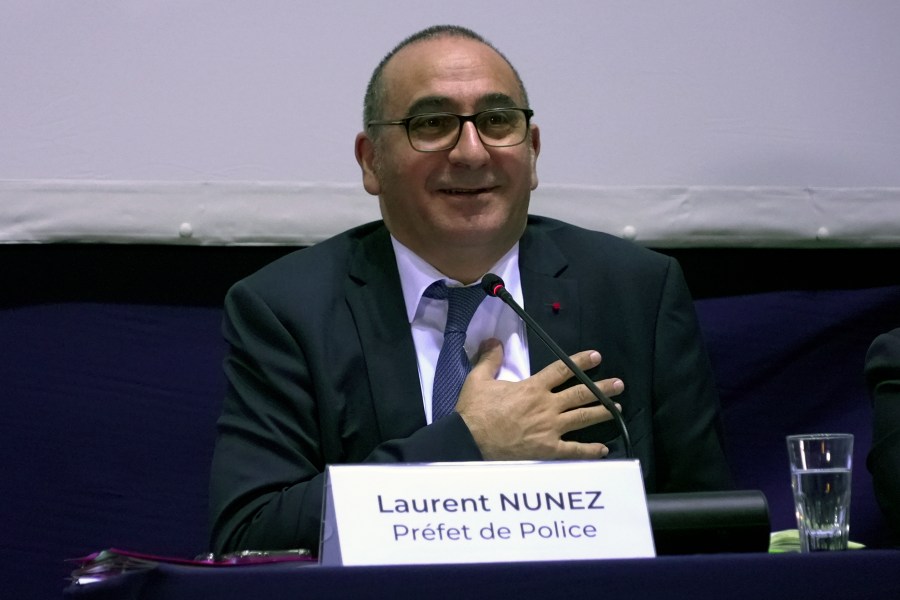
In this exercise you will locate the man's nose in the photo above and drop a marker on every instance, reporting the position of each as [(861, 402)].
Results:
[(469, 149)]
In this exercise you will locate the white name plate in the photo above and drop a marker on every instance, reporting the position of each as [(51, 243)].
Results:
[(477, 512)]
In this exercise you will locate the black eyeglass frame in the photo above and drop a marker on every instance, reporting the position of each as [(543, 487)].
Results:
[(463, 119)]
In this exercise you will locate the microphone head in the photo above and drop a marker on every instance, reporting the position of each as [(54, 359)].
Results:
[(492, 284)]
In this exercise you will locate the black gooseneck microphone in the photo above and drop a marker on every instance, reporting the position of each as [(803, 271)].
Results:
[(493, 285), (683, 523)]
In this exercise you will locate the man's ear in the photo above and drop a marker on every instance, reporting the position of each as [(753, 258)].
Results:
[(535, 140), (365, 156)]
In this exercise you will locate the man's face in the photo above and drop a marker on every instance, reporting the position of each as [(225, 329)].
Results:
[(470, 200)]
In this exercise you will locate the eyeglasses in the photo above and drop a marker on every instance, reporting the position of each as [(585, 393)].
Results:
[(433, 132)]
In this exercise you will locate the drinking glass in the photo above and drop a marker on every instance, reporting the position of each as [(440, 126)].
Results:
[(821, 466)]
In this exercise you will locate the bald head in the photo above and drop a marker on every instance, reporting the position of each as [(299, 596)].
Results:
[(374, 102)]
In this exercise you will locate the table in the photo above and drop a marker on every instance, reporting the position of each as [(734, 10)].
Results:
[(858, 574)]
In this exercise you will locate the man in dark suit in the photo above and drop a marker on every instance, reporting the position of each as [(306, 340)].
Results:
[(882, 371), (333, 349)]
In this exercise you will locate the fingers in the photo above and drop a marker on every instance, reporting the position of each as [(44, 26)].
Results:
[(575, 415), (490, 357), (581, 450), (580, 418), (526, 420), (557, 373), (579, 395), (611, 387)]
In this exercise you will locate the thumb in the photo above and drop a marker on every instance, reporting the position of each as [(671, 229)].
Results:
[(488, 360)]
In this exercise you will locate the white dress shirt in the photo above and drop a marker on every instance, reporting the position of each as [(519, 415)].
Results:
[(493, 319)]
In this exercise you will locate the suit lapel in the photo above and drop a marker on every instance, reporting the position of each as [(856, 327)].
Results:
[(550, 298), (376, 302)]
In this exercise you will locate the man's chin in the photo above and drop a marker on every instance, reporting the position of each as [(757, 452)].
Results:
[(483, 231)]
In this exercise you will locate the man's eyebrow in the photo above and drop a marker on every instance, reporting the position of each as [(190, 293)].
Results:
[(446, 104), (496, 100), (430, 104)]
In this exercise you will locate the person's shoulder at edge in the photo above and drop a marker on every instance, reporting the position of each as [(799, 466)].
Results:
[(886, 342), (327, 256), (882, 375), (882, 362)]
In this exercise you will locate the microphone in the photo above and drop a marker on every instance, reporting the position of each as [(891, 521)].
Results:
[(493, 285)]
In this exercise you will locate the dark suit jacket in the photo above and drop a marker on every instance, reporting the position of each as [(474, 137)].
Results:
[(882, 373), (322, 370)]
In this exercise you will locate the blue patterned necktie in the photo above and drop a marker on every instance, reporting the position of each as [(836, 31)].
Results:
[(453, 364)]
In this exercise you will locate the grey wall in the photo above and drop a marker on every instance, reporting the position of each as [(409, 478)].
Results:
[(694, 92)]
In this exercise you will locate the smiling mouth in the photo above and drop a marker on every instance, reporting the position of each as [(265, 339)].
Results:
[(466, 192)]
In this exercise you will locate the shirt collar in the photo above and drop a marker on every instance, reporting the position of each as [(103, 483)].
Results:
[(416, 275)]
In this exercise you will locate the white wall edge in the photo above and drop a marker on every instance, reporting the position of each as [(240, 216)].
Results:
[(288, 213)]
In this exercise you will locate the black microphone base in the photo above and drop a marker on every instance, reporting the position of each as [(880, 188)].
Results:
[(709, 522)]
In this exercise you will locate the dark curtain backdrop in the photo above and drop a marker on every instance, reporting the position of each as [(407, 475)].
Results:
[(110, 385)]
